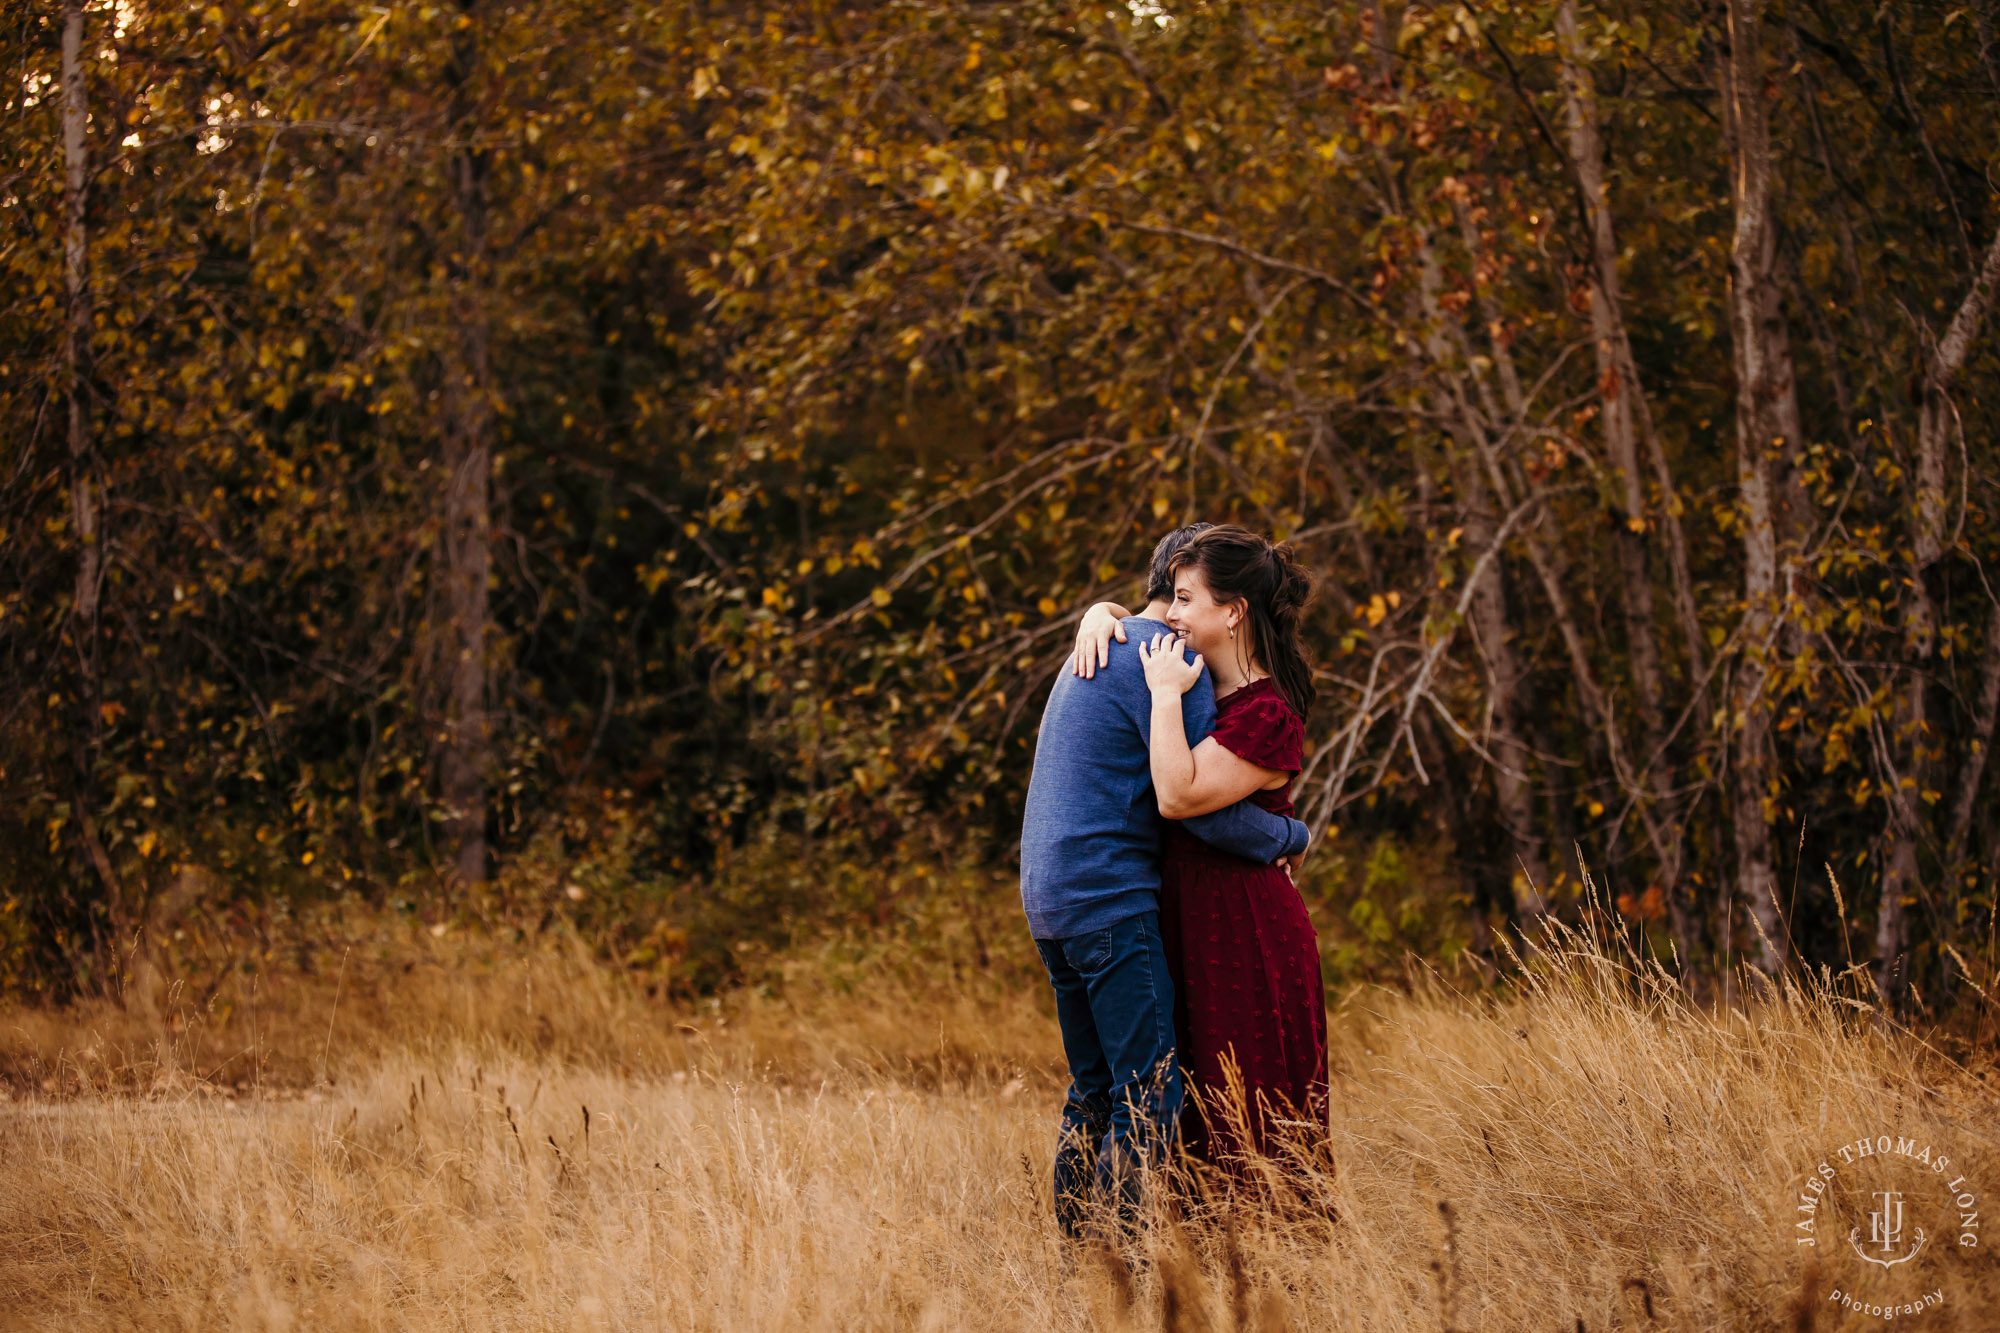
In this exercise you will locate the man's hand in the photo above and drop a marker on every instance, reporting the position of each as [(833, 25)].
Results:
[(1101, 624), (1166, 669), (1296, 862)]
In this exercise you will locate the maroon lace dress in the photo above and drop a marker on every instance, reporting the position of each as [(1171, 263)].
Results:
[(1248, 1000)]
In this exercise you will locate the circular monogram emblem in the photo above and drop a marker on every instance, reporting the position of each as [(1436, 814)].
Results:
[(1871, 1208)]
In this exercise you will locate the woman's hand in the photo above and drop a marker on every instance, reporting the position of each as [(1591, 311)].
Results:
[(1166, 669), (1102, 623)]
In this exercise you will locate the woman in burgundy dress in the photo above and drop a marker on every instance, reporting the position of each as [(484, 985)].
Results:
[(1245, 961)]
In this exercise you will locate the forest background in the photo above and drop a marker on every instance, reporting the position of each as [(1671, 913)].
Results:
[(640, 467)]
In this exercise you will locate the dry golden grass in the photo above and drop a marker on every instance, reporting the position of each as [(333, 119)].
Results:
[(528, 1143)]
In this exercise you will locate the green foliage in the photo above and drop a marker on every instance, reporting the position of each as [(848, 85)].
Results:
[(1377, 909)]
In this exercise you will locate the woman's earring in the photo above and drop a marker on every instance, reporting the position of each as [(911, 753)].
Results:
[(1232, 631)]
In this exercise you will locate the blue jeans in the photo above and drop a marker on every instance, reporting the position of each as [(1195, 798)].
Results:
[(1115, 1001)]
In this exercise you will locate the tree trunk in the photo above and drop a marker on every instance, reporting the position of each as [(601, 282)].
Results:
[(1623, 409), (467, 507), (1476, 436), (1507, 679), (1916, 768), (1476, 854), (1507, 688), (88, 724), (467, 562), (1972, 769), (1764, 384), (1615, 393)]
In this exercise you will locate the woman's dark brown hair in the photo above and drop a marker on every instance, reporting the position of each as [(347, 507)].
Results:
[(1235, 562)]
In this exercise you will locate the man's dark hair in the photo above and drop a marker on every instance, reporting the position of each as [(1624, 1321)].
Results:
[(1160, 578)]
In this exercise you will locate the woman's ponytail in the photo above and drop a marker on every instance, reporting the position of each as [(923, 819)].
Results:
[(1294, 585), (1236, 562), (1283, 650)]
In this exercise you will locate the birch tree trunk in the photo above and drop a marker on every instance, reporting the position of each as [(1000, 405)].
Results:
[(1764, 386), (1916, 777), (1507, 678), (85, 508), (1477, 431), (1615, 393), (1621, 398)]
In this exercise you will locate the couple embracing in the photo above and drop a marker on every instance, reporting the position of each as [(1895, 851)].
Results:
[(1156, 859)]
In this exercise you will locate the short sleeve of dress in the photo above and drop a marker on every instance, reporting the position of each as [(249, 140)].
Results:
[(1263, 731)]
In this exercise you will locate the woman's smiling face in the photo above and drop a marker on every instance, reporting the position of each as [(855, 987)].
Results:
[(1198, 617)]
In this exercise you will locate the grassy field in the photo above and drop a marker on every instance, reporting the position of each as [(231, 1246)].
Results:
[(437, 1137)]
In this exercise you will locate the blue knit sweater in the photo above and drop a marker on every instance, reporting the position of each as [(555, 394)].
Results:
[(1090, 840)]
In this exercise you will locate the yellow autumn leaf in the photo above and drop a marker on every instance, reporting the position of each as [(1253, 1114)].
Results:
[(880, 597)]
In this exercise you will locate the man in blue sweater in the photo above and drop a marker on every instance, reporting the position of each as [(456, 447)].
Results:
[(1090, 883)]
